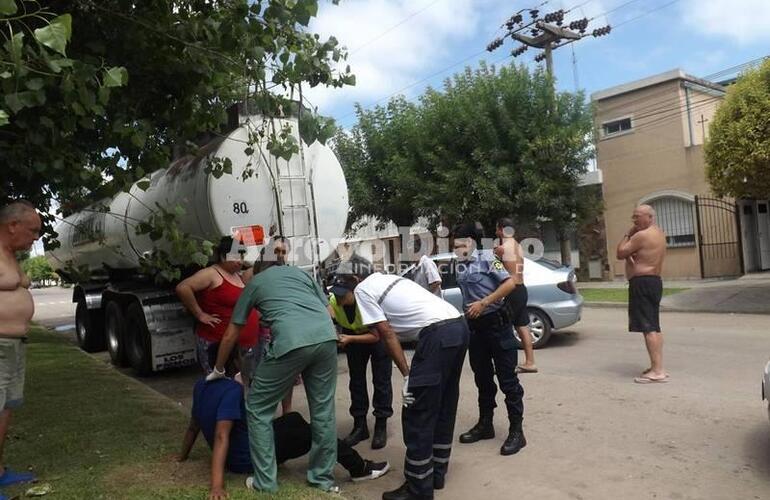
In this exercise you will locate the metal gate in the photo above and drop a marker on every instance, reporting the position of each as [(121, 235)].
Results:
[(719, 237)]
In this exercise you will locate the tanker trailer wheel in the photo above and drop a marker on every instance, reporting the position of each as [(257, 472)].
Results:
[(89, 329), (138, 340), (115, 332)]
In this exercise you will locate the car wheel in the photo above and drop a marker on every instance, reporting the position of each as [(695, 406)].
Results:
[(114, 331), (539, 327), (138, 342), (88, 328)]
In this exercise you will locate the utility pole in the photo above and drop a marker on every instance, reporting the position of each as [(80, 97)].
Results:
[(547, 34)]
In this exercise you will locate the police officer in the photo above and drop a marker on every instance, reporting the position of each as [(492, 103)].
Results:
[(360, 346), (484, 284), (391, 306)]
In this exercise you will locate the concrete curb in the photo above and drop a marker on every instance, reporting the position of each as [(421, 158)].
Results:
[(664, 308)]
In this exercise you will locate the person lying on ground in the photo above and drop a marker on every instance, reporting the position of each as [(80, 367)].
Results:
[(218, 411)]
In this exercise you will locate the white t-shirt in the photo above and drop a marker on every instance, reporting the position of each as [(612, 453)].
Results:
[(426, 273), (408, 306)]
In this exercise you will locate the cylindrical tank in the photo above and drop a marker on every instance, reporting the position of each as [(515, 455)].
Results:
[(277, 195)]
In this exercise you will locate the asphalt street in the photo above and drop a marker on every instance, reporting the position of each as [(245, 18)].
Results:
[(592, 433)]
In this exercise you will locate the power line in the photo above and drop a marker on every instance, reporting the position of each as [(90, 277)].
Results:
[(404, 20), (343, 118)]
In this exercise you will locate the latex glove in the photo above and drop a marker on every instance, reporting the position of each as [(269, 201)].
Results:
[(215, 375), (406, 396)]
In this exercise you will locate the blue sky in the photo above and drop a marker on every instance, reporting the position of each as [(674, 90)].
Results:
[(396, 43)]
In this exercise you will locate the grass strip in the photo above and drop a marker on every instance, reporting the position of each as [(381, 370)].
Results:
[(93, 433), (617, 294)]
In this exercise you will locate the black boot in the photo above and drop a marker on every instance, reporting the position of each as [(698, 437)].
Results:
[(380, 438), (482, 430), (359, 433), (403, 493), (515, 440)]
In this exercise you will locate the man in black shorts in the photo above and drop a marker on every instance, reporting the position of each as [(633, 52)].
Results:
[(509, 251), (644, 248)]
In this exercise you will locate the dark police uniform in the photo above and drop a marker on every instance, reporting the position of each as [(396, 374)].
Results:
[(492, 339), (434, 376), (358, 357)]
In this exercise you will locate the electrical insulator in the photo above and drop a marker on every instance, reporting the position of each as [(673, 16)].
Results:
[(534, 13), (580, 24), (519, 50), (540, 57), (496, 43), (557, 16), (518, 18), (535, 32), (602, 31)]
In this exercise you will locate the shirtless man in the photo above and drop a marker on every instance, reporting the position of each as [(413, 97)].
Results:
[(509, 251), (643, 248), (19, 228)]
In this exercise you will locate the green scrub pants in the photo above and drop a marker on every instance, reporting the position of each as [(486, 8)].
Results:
[(271, 381)]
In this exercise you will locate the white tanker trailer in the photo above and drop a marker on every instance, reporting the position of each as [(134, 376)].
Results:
[(144, 325)]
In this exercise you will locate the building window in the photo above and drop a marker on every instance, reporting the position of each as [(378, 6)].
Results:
[(676, 217), (616, 127)]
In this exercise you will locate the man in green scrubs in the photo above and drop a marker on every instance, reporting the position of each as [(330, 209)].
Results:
[(303, 342)]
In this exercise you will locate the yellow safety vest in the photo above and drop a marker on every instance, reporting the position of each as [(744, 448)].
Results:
[(357, 326)]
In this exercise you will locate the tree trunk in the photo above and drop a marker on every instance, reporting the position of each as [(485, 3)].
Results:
[(566, 250)]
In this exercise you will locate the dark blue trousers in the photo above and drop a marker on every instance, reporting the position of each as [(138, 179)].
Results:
[(429, 422), (382, 369), (493, 351)]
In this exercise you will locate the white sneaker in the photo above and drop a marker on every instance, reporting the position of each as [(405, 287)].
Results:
[(250, 483), (372, 470)]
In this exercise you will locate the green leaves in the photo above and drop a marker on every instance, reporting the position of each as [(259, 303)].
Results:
[(486, 146), (738, 148), (56, 35), (8, 7), (115, 77), (3, 118)]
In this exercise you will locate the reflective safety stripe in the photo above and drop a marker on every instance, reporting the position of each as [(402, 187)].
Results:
[(418, 463), (429, 472), (442, 446), (440, 460)]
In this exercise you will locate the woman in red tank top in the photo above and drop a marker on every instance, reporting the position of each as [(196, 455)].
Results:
[(210, 296)]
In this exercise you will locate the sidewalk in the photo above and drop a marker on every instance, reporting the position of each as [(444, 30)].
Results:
[(749, 294)]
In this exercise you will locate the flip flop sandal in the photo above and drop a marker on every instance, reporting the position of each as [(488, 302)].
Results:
[(648, 380), (524, 369)]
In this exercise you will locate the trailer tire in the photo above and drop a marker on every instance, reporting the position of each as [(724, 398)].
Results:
[(115, 333), (89, 329), (138, 340)]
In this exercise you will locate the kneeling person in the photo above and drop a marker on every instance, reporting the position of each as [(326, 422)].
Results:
[(218, 411)]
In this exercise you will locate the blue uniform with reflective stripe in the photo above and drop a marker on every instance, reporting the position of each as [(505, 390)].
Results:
[(479, 276), (492, 348)]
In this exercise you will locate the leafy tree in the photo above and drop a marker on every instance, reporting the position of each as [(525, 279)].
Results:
[(37, 268), (99, 93), (489, 144), (738, 147)]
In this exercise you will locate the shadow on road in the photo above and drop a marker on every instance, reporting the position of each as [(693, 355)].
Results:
[(563, 338), (756, 447)]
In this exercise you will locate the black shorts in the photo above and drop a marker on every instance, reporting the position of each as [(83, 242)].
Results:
[(516, 306), (644, 294)]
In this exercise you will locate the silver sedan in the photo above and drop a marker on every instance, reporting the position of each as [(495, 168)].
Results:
[(554, 301)]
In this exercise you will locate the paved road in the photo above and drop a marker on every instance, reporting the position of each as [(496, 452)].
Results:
[(592, 433)]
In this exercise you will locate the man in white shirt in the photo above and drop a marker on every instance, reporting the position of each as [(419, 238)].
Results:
[(392, 305), (426, 275)]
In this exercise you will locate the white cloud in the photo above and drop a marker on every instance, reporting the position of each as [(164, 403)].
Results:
[(442, 32), (742, 21)]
